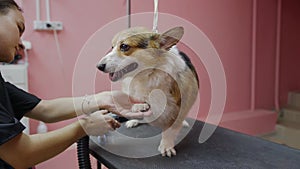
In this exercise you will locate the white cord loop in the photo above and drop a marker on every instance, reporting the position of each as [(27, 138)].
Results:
[(155, 19)]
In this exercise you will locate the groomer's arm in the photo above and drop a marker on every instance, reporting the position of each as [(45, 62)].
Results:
[(66, 108), (60, 109), (24, 151)]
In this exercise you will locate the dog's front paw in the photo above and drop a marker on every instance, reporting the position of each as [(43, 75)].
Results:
[(166, 148), (132, 123), (141, 107)]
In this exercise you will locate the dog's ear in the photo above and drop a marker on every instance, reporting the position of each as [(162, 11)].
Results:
[(170, 37)]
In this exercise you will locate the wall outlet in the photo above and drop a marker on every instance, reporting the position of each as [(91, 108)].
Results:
[(47, 25)]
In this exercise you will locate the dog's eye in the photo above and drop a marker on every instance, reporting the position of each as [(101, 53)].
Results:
[(124, 47)]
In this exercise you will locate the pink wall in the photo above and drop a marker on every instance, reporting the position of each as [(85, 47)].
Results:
[(47, 77), (227, 23), (265, 53), (290, 49)]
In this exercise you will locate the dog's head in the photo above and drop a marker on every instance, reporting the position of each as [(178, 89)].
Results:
[(135, 49)]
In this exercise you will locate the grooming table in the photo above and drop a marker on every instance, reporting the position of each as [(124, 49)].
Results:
[(224, 149)]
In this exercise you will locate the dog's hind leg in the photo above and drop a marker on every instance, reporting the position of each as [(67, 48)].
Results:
[(167, 143)]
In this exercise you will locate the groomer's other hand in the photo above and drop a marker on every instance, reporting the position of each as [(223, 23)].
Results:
[(98, 123), (119, 103)]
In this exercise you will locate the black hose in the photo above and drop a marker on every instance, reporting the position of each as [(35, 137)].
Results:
[(83, 154)]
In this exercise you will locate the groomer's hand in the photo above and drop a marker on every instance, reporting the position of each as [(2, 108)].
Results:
[(98, 123), (119, 103)]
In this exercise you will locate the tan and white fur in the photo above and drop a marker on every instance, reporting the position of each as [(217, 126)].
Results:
[(154, 72)]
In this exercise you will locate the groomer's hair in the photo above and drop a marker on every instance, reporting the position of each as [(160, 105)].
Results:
[(5, 5)]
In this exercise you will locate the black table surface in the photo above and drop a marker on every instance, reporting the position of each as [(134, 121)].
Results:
[(224, 149)]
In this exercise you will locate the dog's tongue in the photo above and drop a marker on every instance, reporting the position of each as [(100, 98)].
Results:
[(119, 74), (115, 76)]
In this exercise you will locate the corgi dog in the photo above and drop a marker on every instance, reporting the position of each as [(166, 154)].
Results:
[(154, 72)]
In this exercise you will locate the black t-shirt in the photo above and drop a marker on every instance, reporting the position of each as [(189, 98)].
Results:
[(14, 103)]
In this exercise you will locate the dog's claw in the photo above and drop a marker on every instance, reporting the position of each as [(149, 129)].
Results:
[(166, 151), (132, 123), (173, 152), (142, 107)]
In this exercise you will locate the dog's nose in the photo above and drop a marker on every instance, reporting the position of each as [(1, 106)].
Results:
[(101, 67)]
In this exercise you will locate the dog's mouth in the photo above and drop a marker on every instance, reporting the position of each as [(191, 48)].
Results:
[(114, 76)]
